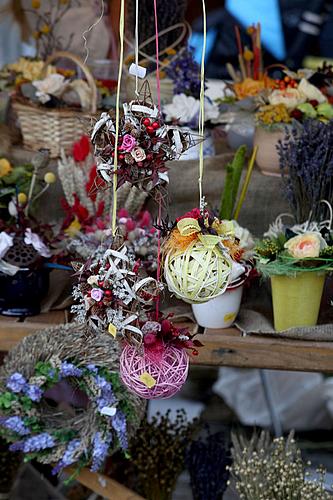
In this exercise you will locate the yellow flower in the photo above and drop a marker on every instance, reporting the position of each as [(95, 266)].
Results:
[(35, 4), (305, 245), (50, 178), (171, 52), (36, 35), (5, 167), (22, 198), (248, 55), (45, 29), (73, 228)]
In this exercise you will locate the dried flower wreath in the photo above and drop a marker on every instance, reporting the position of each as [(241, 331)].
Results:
[(61, 400)]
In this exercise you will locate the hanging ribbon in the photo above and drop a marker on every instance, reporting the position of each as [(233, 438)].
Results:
[(115, 164), (202, 107), (136, 46)]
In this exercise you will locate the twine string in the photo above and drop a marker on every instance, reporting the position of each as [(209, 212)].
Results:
[(90, 29), (158, 86), (202, 108), (120, 69), (136, 45)]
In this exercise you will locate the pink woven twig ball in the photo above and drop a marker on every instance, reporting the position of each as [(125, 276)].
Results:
[(170, 373)]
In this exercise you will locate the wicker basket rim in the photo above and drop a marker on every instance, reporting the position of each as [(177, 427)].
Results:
[(30, 108)]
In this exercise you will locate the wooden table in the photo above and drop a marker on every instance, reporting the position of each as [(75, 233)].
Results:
[(224, 347)]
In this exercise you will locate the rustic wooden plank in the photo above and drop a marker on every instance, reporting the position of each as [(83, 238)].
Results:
[(104, 486), (226, 347), (12, 330)]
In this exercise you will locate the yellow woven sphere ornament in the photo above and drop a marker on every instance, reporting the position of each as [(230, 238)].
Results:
[(199, 273)]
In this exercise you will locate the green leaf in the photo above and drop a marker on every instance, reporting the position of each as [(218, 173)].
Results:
[(7, 399)]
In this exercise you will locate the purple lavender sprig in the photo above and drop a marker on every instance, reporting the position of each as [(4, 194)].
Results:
[(69, 456), (101, 444), (184, 71), (16, 382), (70, 370), (119, 425), (306, 163), (38, 442), (15, 424), (33, 392)]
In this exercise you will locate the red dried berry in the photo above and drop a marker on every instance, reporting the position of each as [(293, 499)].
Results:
[(150, 130), (314, 103), (146, 122), (155, 125), (108, 293)]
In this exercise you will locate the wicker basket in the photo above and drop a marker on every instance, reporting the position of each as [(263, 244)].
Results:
[(55, 129)]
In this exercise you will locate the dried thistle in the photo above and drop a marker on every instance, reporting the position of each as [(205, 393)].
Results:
[(158, 453), (273, 470)]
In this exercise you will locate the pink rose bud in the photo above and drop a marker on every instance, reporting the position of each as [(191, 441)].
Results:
[(96, 294), (128, 143)]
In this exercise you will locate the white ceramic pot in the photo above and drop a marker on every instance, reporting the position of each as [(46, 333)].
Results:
[(222, 311)]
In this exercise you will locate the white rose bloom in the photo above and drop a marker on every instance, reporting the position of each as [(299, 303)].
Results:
[(53, 84), (291, 98), (6, 241), (33, 239), (310, 92), (186, 108), (245, 237)]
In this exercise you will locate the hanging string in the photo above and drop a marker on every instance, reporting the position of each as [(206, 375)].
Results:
[(159, 216), (120, 70), (136, 50), (202, 108), (88, 31), (158, 83)]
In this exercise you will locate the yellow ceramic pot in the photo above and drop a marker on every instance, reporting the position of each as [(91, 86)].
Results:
[(296, 300)]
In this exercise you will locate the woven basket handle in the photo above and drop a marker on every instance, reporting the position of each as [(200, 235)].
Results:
[(90, 79)]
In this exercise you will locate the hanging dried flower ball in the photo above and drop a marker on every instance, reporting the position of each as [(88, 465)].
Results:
[(144, 144), (159, 368), (111, 294), (61, 399), (199, 256)]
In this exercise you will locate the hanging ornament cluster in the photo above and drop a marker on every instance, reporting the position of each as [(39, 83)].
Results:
[(159, 368), (201, 257), (61, 399), (110, 293), (144, 144)]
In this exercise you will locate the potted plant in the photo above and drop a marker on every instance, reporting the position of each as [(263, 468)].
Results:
[(24, 242), (293, 100), (298, 256), (221, 311)]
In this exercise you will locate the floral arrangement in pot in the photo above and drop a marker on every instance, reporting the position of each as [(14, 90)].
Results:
[(24, 242), (293, 100), (298, 256), (239, 101), (205, 261)]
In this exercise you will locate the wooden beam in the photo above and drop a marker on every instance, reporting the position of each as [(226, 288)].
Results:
[(226, 347), (104, 486)]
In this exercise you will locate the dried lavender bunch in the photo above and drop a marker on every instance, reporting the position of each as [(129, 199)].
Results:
[(207, 463), (184, 71), (158, 453), (168, 14), (306, 163), (273, 470)]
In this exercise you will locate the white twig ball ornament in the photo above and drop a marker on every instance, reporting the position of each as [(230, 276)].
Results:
[(199, 273)]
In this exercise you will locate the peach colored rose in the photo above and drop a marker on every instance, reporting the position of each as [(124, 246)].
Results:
[(138, 154), (305, 245)]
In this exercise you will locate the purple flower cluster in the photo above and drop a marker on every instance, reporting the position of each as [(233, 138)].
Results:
[(306, 163), (101, 444), (92, 368), (68, 457), (18, 384), (184, 71), (35, 443), (119, 425), (33, 392), (70, 370), (106, 398), (15, 424)]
